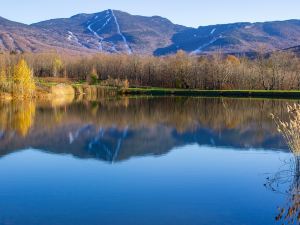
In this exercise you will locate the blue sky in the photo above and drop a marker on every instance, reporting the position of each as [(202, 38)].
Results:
[(186, 12)]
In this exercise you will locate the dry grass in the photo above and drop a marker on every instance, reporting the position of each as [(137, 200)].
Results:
[(290, 129), (57, 80)]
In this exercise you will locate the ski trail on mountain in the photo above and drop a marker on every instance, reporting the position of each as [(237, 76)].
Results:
[(129, 51), (108, 18), (73, 137), (96, 35), (120, 141), (105, 24), (72, 37), (199, 50)]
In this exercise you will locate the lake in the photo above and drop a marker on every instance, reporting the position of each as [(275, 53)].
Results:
[(162, 160)]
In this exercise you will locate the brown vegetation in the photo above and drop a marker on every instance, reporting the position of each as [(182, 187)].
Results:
[(280, 71), (289, 128), (182, 114)]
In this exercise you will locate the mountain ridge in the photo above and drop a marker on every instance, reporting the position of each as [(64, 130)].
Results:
[(114, 31)]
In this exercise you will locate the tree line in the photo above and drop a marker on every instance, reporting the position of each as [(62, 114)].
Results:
[(278, 71)]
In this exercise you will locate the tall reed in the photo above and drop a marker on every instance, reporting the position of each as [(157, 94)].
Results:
[(290, 129)]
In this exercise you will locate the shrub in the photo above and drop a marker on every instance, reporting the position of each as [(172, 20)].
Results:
[(92, 78), (126, 84), (233, 59)]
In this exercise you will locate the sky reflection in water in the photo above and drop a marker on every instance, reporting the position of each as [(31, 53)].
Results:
[(142, 161)]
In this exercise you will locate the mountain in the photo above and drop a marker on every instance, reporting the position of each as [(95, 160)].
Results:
[(236, 38), (112, 130), (114, 31), (119, 32), (19, 37), (295, 49), (112, 144)]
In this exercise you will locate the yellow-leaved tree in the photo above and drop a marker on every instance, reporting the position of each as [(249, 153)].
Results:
[(233, 60), (3, 80), (23, 81)]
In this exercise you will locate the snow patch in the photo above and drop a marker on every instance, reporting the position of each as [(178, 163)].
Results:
[(213, 31), (108, 18), (199, 50), (72, 37), (96, 35), (129, 51), (107, 13), (248, 27), (105, 24)]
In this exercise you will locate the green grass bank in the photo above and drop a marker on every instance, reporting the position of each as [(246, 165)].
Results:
[(214, 93)]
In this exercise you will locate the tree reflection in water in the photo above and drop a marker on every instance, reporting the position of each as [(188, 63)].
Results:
[(18, 116), (155, 125)]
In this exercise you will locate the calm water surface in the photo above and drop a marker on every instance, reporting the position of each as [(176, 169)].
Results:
[(145, 161)]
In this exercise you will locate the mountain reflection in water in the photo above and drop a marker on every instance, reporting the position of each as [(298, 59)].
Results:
[(118, 129)]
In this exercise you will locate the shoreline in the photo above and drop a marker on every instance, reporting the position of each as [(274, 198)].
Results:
[(64, 90), (278, 94)]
